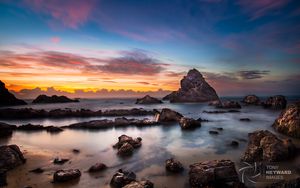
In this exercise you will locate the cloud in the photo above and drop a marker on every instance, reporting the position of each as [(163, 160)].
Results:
[(252, 74), (55, 40)]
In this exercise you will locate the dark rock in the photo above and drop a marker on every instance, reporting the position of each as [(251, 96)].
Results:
[(140, 184), (76, 151), (127, 112), (122, 178), (127, 144), (251, 100), (234, 143), (168, 115), (3, 181), (276, 102), (265, 146), (288, 121), (233, 111), (202, 120), (245, 119), (294, 183), (31, 127), (215, 103), (218, 128), (60, 161), (125, 150), (189, 123), (53, 129), (213, 132), (173, 165), (7, 98), (66, 175), (193, 88), (97, 167), (170, 96), (229, 104), (10, 157), (6, 130), (148, 100), (41, 99), (37, 170), (213, 174), (220, 111)]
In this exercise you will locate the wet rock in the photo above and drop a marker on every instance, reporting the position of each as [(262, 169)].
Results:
[(140, 184), (173, 165), (10, 157), (75, 151), (42, 99), (52, 129), (127, 144), (202, 120), (6, 130), (122, 178), (66, 175), (220, 111), (97, 167), (125, 150), (229, 104), (193, 88), (265, 146), (275, 102), (215, 103), (3, 181), (128, 112), (37, 170), (189, 123), (245, 119), (7, 98), (148, 100), (31, 127), (213, 132), (213, 174), (294, 183), (60, 161), (234, 143), (251, 100), (288, 121), (168, 115)]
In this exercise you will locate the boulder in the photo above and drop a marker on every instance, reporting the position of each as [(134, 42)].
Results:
[(251, 100), (193, 88), (6, 130), (42, 99), (288, 121), (125, 150), (168, 115), (66, 175), (10, 157), (245, 119), (60, 161), (229, 104), (140, 184), (97, 167), (7, 98), (173, 165), (189, 123), (148, 100), (127, 144), (213, 174), (275, 102), (265, 146), (122, 178)]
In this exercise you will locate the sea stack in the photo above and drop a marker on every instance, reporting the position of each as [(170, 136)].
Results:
[(7, 98), (193, 88), (53, 99)]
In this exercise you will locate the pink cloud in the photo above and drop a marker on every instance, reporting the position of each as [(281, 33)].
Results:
[(71, 13), (55, 40)]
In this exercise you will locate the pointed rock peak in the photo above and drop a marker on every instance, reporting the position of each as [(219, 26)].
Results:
[(2, 84), (194, 73)]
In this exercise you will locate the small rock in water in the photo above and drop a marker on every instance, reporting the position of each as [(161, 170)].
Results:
[(189, 123), (66, 175), (97, 167), (37, 170), (245, 119), (140, 184), (213, 132), (173, 165), (234, 143), (122, 178), (127, 144), (125, 150), (76, 151), (60, 161)]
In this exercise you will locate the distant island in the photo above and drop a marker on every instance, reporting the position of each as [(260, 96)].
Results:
[(42, 99)]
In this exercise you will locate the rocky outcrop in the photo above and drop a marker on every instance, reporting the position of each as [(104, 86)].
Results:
[(288, 121), (276, 102), (251, 100), (127, 144), (168, 115), (10, 157), (97, 167), (265, 146), (66, 175), (169, 96), (189, 123), (229, 104), (193, 88), (7, 98), (122, 178), (140, 184), (29, 113), (42, 99), (6, 130), (213, 174), (148, 100), (173, 165)]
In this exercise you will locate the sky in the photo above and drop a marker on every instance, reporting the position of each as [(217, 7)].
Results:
[(103, 48)]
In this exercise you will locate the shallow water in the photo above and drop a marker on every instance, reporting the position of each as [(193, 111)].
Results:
[(159, 143)]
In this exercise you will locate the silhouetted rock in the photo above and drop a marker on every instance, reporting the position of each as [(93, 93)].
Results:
[(288, 121), (173, 165), (10, 157), (122, 178), (127, 144), (140, 184), (294, 183), (7, 98), (6, 130), (41, 99), (37, 170), (76, 151), (60, 161), (221, 111), (251, 100), (234, 143), (97, 167), (52, 129), (31, 127), (275, 102), (245, 119), (229, 104), (213, 132), (213, 174), (189, 123), (148, 100), (170, 96), (66, 175), (194, 88), (3, 181), (168, 115), (265, 146)]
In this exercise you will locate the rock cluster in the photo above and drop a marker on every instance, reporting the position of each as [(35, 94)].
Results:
[(193, 88), (42, 99), (127, 179), (127, 144), (251, 100), (66, 175), (148, 100), (189, 123), (7, 98), (275, 102), (229, 104), (265, 146), (172, 165)]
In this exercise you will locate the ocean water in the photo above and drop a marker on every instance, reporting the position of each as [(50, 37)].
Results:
[(159, 143)]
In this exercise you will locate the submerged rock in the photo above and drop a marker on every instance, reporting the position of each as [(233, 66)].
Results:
[(37, 170), (288, 121), (189, 123), (7, 98), (41, 99), (193, 88), (251, 100), (122, 178), (213, 174), (127, 144), (60, 161), (10, 157), (148, 100), (276, 102), (140, 184), (6, 130), (168, 115), (234, 143), (173, 165), (265, 146), (229, 104), (66, 175), (97, 167), (245, 119), (213, 132)]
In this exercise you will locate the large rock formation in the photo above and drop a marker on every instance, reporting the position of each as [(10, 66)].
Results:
[(276, 102), (251, 100), (53, 99), (194, 88), (168, 115), (288, 121), (10, 157), (148, 100), (7, 98)]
